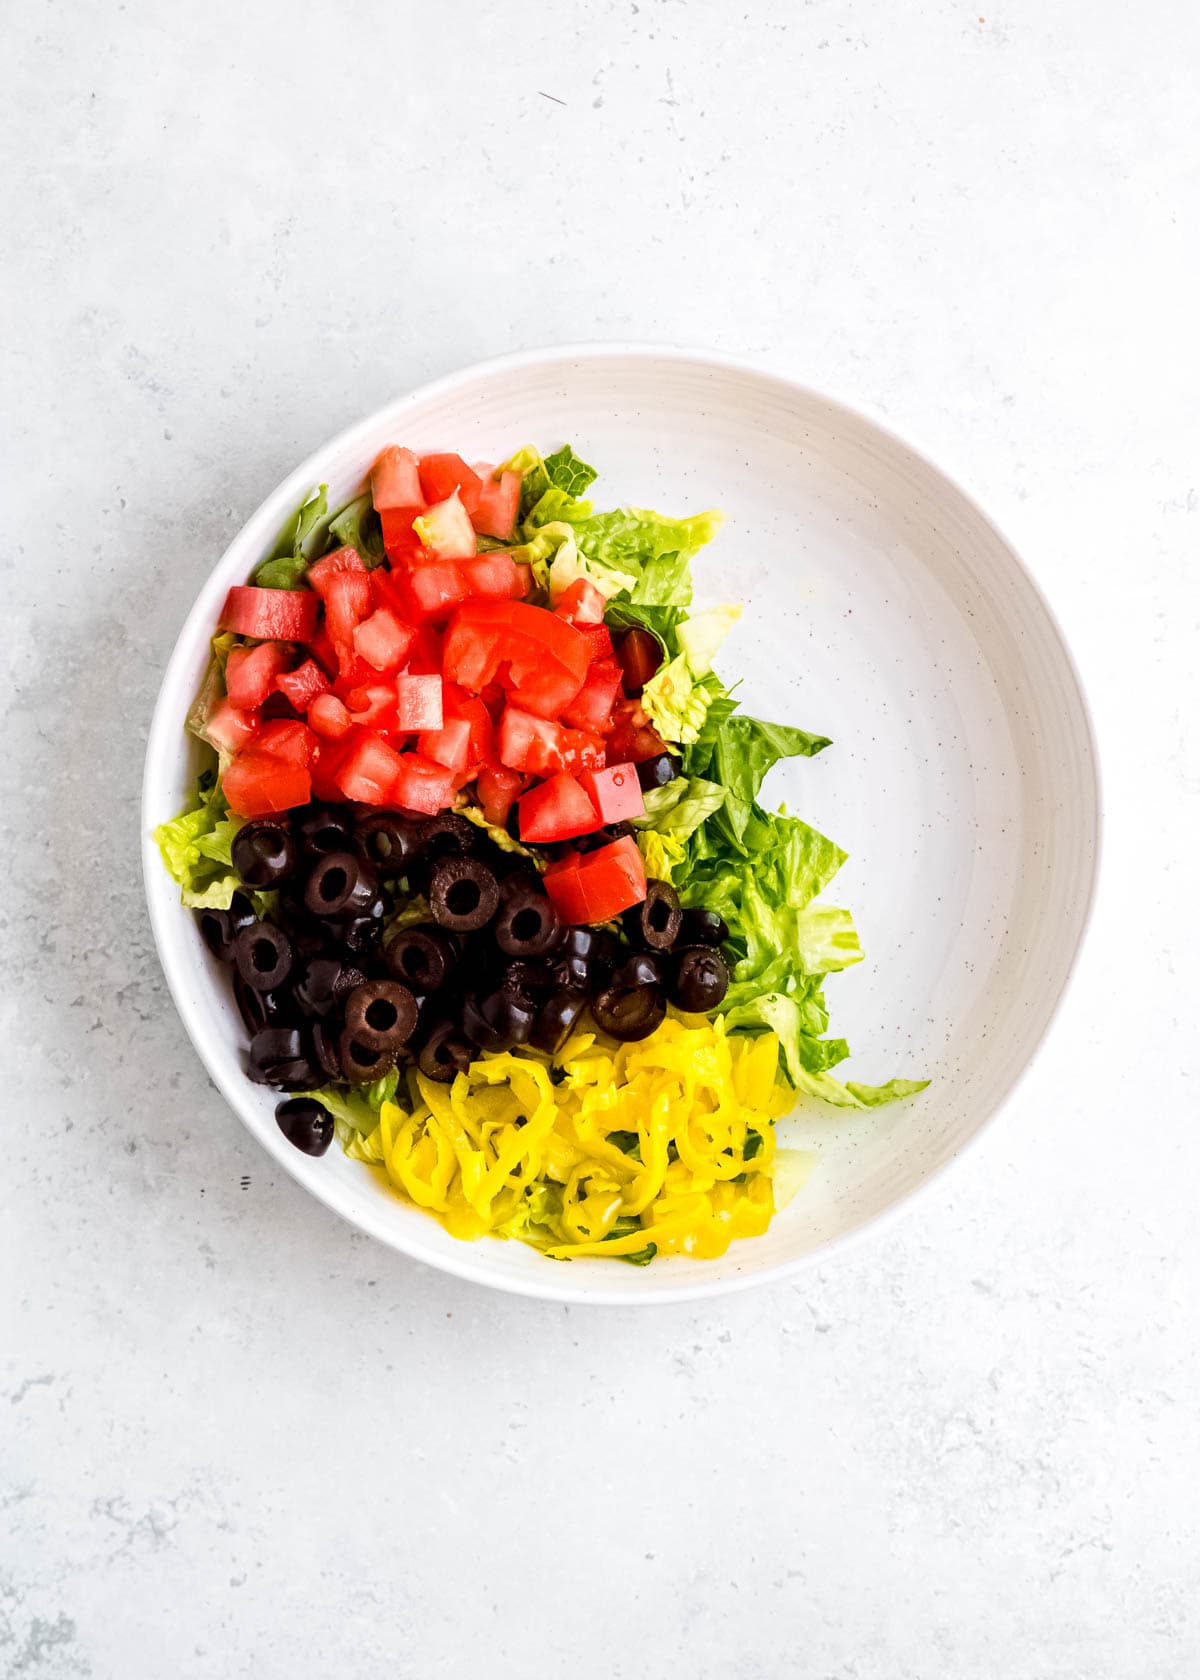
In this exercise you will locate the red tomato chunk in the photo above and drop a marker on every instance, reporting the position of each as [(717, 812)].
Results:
[(558, 809), (286, 615)]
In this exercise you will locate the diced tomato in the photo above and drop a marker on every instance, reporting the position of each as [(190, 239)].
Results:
[(329, 717), (286, 738), (284, 615), (633, 737), (323, 651), (592, 706), (347, 603), (367, 772), (496, 514), (250, 673), (395, 480), (425, 656), (458, 704), (256, 783), (400, 541), (450, 745), (418, 703), (430, 593), (494, 574), (596, 886), (615, 792), (547, 657), (382, 640), (228, 727), (581, 750), (442, 475), (557, 810), (530, 744), (496, 788), (332, 565), (302, 685), (446, 530), (423, 786), (639, 654), (581, 603), (374, 706), (599, 640)]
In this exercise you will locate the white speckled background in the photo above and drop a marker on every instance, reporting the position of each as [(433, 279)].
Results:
[(235, 1440)]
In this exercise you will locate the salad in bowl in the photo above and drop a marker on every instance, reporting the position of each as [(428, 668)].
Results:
[(480, 846)]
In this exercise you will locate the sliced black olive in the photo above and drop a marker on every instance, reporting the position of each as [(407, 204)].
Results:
[(325, 982), (264, 955), (306, 1124), (444, 1054), (654, 923), (358, 936), (361, 1062), (217, 933), (463, 893), (340, 885), (657, 772), (423, 957), (263, 852), (628, 1014), (512, 822), (700, 980), (323, 1050), (263, 1009), (389, 841), (324, 828), (381, 1014), (527, 925), (601, 837), (445, 835), (556, 1018), (702, 927), (498, 1019), (276, 1054), (642, 968), (529, 977)]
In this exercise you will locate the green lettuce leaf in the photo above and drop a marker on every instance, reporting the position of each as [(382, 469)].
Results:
[(702, 634), (666, 580), (196, 848), (566, 471), (298, 543), (357, 526), (681, 806), (675, 702), (631, 538), (742, 750), (535, 480)]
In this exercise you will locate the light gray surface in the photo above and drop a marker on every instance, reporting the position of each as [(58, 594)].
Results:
[(236, 1440)]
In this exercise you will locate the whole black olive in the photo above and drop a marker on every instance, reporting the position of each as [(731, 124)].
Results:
[(498, 1019), (389, 841), (628, 1015), (556, 1018), (306, 1124), (463, 893), (700, 980), (325, 982), (381, 1014), (526, 925), (264, 955), (362, 1063), (263, 852), (264, 1009), (702, 927), (423, 957), (324, 828), (654, 923), (529, 977), (641, 968), (444, 1054), (340, 885), (657, 772)]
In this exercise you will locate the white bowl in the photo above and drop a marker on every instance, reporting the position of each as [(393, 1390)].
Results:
[(882, 609)]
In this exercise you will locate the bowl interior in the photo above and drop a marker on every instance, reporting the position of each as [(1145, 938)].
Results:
[(883, 610)]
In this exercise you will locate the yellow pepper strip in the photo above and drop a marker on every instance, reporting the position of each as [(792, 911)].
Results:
[(568, 1157)]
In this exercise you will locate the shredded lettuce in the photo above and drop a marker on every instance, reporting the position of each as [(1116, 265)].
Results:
[(197, 846), (357, 526), (567, 471), (681, 806), (701, 635), (675, 702)]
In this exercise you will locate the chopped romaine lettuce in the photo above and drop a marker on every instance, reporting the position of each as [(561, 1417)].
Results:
[(197, 848), (298, 543)]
